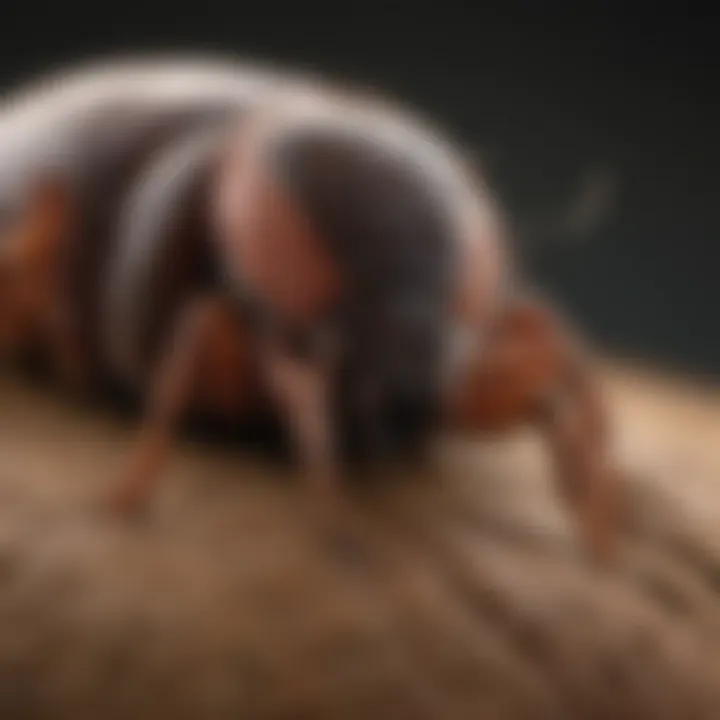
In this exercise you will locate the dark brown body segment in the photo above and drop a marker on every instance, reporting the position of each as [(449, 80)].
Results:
[(326, 229)]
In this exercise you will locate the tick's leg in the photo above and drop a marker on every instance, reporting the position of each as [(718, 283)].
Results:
[(533, 372), (303, 394), (207, 364), (32, 248), (302, 389), (574, 426)]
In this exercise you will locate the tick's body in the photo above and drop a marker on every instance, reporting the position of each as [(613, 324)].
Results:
[(331, 255)]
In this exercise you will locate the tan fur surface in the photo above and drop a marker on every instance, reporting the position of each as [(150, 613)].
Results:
[(471, 602)]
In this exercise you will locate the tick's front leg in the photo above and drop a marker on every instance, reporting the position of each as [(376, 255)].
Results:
[(303, 392), (533, 372), (302, 389), (206, 361)]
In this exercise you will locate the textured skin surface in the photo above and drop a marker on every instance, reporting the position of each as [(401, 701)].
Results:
[(475, 604)]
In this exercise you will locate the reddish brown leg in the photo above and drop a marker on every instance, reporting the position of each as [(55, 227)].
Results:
[(302, 392), (30, 267), (578, 440), (206, 364), (532, 371), (302, 389)]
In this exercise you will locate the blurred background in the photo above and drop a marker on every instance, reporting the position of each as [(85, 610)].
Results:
[(598, 125)]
